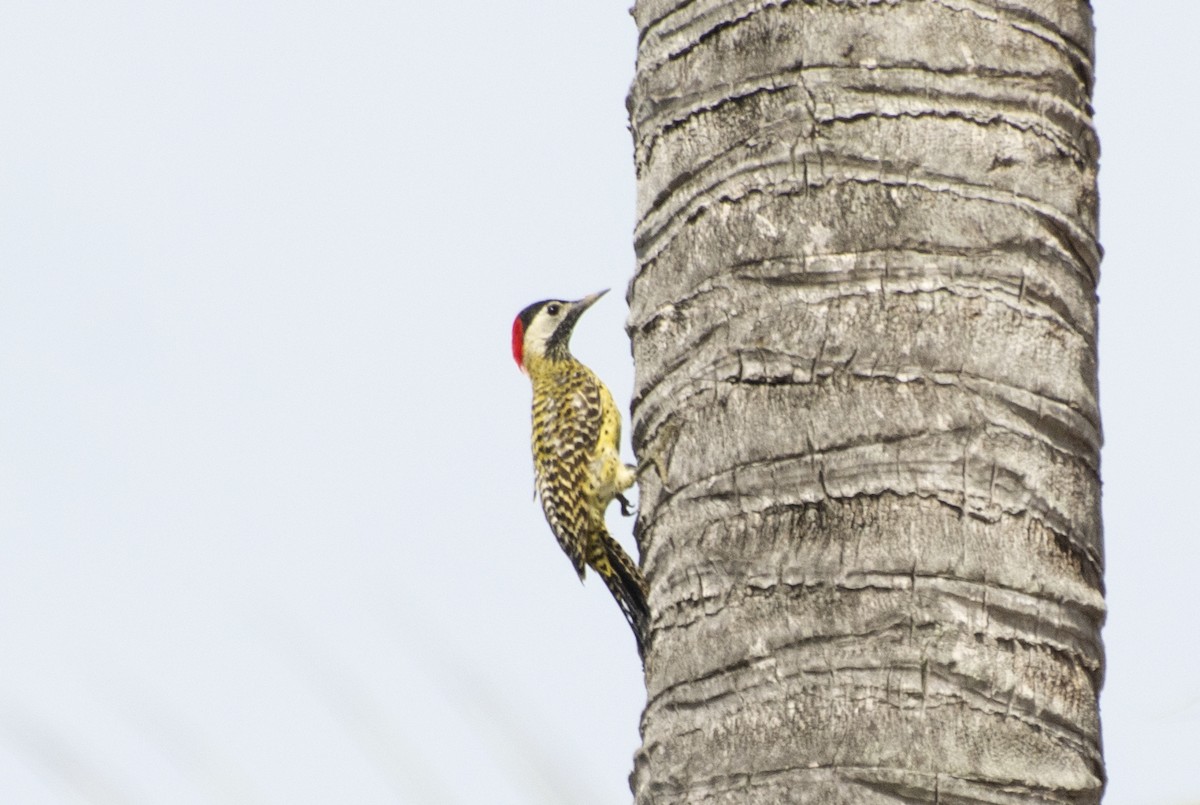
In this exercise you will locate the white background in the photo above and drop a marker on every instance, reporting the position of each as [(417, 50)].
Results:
[(266, 525)]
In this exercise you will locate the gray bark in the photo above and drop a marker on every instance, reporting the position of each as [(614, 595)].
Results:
[(864, 330)]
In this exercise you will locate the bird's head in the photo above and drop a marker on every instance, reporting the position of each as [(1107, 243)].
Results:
[(543, 330)]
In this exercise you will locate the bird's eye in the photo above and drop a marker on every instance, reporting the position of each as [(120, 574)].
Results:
[(552, 309)]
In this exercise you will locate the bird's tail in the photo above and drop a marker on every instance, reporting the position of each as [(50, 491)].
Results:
[(625, 582)]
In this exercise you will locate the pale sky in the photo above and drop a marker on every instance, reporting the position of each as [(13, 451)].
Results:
[(266, 511)]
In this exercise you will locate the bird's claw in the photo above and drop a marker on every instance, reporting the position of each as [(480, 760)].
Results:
[(626, 509)]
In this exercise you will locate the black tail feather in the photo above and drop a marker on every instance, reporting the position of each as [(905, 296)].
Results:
[(628, 587)]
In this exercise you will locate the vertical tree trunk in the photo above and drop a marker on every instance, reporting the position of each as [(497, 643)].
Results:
[(864, 328)]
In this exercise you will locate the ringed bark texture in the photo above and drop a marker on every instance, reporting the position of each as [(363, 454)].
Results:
[(864, 328)]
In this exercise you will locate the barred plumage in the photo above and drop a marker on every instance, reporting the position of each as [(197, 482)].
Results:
[(577, 465)]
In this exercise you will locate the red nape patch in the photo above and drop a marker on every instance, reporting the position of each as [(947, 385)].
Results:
[(519, 342)]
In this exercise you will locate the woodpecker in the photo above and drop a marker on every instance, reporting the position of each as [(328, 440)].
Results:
[(578, 470)]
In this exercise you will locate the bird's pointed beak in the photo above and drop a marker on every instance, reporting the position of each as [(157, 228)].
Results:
[(576, 310), (589, 300)]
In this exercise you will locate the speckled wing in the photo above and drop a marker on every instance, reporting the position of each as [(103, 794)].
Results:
[(566, 427)]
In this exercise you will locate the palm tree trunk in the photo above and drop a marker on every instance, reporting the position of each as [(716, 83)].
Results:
[(864, 329)]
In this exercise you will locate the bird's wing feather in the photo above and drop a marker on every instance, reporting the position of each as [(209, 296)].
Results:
[(566, 429)]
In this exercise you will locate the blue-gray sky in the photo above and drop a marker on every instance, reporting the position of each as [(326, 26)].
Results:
[(266, 510)]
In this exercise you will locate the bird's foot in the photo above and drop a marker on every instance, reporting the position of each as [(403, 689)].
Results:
[(626, 509)]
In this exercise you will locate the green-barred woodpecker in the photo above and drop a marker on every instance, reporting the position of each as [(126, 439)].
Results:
[(577, 465)]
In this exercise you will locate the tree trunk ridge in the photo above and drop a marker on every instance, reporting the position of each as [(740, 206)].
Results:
[(864, 331)]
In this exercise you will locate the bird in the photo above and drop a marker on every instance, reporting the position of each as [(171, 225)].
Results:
[(578, 470)]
